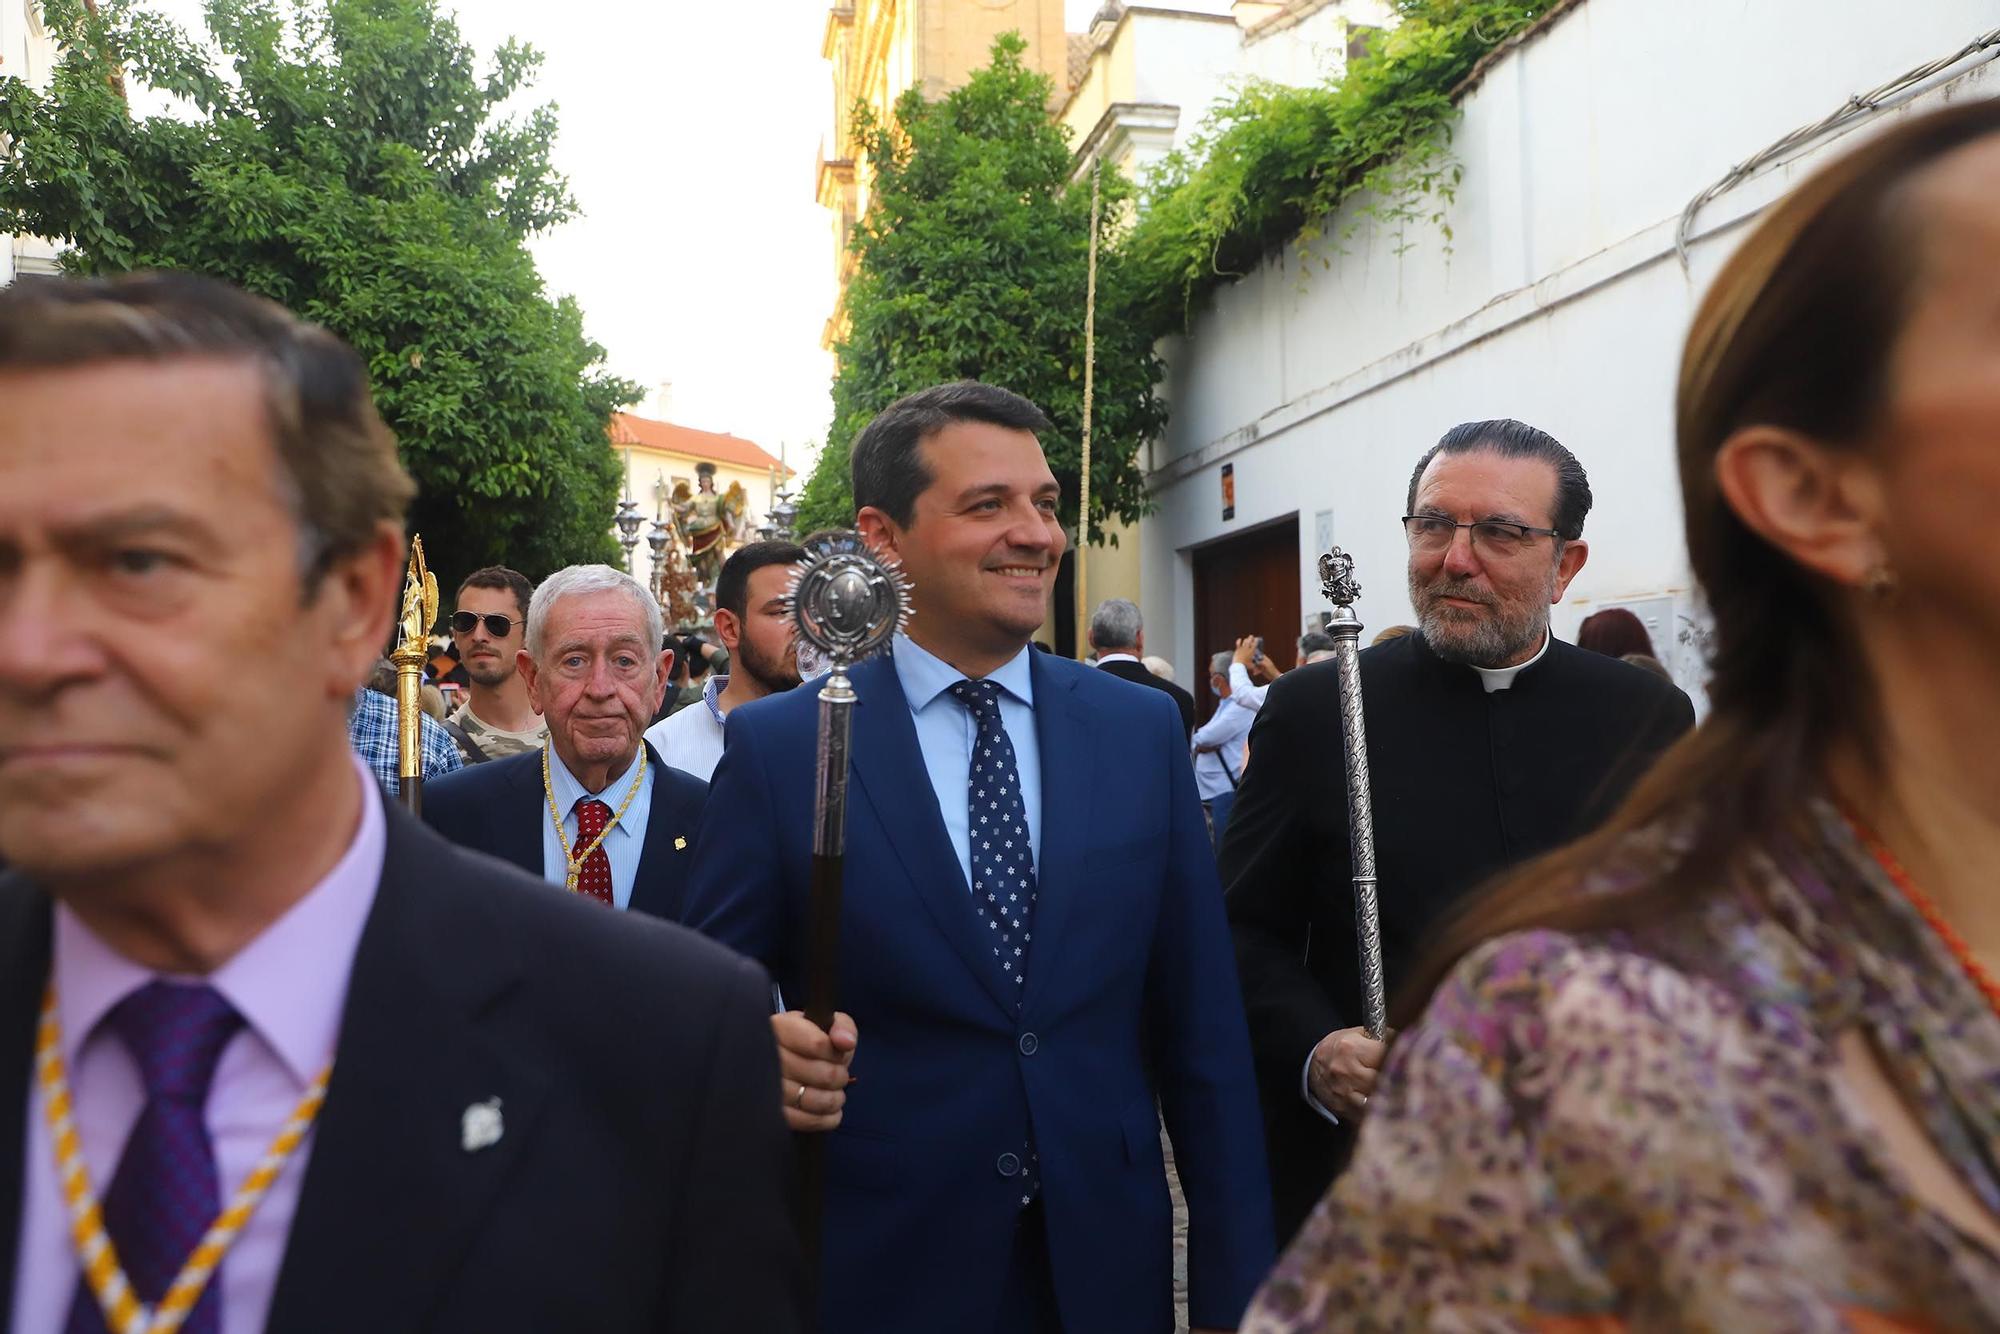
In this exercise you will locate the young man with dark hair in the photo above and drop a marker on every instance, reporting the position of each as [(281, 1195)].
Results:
[(1037, 955), (750, 621), (489, 628)]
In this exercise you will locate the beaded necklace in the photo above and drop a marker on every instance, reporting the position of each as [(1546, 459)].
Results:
[(1928, 910)]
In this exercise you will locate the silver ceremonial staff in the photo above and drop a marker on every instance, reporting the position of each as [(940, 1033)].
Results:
[(847, 602), (1336, 580)]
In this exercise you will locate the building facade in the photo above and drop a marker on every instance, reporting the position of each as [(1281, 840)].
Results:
[(657, 456), (1301, 399), (26, 52), (1145, 77), (880, 49)]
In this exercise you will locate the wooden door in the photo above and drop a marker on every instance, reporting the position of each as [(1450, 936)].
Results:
[(1246, 585)]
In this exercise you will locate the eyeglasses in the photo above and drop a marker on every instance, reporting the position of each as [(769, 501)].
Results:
[(496, 625), (1429, 532)]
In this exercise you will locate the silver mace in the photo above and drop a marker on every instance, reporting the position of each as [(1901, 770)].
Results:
[(846, 603), (1336, 580)]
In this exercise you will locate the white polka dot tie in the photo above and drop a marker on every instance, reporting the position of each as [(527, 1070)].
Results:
[(1003, 864)]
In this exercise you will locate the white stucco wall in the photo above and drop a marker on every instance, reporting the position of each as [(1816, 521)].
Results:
[(1560, 300), (1313, 48)]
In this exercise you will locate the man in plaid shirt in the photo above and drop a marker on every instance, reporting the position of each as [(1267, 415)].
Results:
[(371, 729)]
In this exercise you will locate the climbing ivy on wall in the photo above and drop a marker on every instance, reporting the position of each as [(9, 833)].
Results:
[(1271, 164)]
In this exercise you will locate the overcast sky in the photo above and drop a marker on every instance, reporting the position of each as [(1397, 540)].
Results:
[(689, 132)]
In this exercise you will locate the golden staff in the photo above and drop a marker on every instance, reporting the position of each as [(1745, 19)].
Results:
[(1089, 384), (420, 608)]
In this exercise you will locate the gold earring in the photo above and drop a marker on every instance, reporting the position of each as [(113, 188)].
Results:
[(1880, 582)]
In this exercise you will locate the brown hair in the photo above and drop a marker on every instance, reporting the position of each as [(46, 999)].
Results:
[(339, 459), (501, 579), (1796, 332), (1614, 632)]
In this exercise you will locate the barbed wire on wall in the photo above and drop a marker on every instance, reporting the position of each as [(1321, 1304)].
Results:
[(1861, 105)]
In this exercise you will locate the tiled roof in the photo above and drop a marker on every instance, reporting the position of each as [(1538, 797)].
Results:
[(626, 429), (1080, 47)]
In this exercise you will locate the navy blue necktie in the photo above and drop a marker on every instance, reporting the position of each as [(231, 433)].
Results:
[(166, 1191), (1003, 861)]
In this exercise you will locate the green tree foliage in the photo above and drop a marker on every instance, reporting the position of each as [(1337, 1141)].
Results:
[(1270, 164), (972, 264), (352, 164)]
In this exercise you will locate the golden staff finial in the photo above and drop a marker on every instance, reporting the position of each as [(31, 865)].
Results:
[(420, 608)]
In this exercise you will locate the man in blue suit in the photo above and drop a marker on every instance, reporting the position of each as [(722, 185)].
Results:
[(1033, 951), (593, 810)]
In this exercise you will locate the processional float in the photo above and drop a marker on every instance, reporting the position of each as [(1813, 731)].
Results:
[(1336, 580), (413, 628), (846, 602)]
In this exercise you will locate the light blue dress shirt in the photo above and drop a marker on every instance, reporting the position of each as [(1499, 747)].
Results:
[(622, 844), (1217, 771), (946, 731)]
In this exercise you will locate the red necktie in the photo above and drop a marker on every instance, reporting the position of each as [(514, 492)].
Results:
[(595, 879)]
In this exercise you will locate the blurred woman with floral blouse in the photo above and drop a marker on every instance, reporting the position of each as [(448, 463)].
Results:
[(1733, 1062)]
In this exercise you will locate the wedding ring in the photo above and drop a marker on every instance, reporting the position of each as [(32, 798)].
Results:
[(800, 1101)]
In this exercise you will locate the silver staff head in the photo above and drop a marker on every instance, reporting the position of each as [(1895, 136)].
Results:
[(846, 600), (1342, 589)]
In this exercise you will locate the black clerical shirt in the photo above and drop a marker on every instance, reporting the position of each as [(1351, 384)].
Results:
[(1466, 783)]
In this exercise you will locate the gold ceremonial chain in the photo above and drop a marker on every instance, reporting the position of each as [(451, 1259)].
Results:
[(124, 1313), (575, 862)]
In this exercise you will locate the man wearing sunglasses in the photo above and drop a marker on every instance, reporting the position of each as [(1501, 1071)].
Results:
[(489, 629), (1489, 741)]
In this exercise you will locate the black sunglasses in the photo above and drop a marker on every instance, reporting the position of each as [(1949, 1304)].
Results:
[(496, 625)]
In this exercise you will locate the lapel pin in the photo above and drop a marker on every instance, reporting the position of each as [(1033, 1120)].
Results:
[(680, 844), (481, 1125)]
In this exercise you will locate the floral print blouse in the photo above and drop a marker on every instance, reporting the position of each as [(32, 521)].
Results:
[(1642, 1131)]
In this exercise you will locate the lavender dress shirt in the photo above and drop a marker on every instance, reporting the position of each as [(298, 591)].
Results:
[(290, 985)]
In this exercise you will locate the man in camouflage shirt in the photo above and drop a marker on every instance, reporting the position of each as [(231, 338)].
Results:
[(496, 719)]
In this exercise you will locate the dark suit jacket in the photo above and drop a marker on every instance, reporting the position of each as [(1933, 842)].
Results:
[(1131, 996), (501, 808), (1138, 675), (642, 1178), (1465, 784)]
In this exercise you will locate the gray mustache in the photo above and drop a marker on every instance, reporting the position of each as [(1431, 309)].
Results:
[(1459, 591)]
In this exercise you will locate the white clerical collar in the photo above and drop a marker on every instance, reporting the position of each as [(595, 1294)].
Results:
[(1502, 678), (1119, 657)]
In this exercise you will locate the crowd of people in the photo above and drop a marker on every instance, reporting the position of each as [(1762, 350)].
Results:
[(1694, 1028)]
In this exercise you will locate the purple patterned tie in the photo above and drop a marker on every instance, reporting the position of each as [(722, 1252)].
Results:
[(166, 1191)]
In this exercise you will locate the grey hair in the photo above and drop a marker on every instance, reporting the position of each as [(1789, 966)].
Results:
[(1115, 624), (1219, 664), (591, 579)]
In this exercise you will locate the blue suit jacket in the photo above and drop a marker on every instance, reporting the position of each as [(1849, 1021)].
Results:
[(500, 808), (1131, 995)]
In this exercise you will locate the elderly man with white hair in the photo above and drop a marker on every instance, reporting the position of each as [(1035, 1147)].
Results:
[(593, 811)]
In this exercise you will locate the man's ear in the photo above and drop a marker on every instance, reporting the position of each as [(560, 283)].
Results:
[(1574, 555), (879, 531), (357, 596), (1820, 508), (661, 677), (532, 675), (728, 629)]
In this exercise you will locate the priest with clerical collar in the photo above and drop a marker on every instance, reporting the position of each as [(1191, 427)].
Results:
[(1489, 741), (593, 811)]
